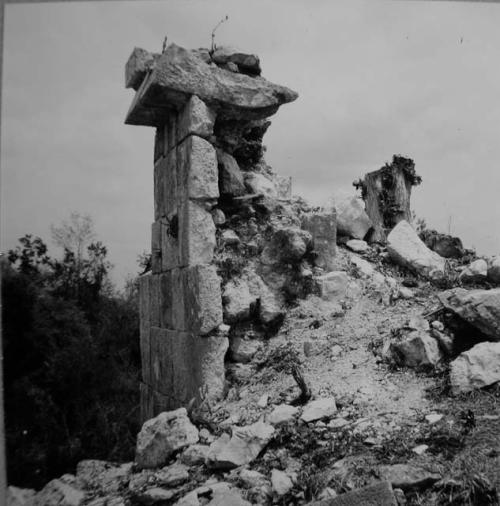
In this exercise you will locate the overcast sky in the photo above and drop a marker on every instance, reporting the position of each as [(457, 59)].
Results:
[(374, 78)]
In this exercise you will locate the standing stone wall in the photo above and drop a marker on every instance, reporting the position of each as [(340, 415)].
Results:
[(180, 300)]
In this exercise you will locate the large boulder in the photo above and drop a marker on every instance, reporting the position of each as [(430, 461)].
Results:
[(241, 448), (287, 245), (406, 249), (179, 73), (333, 285), (474, 272), (261, 184), (415, 349), (162, 436), (103, 476), (494, 270), (63, 491), (476, 368), (352, 219), (20, 496), (323, 229), (378, 494), (238, 301), (444, 245), (231, 183), (480, 308)]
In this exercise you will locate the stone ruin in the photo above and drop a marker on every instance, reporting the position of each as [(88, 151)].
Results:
[(210, 112)]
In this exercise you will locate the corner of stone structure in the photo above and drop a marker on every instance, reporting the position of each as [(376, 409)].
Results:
[(182, 348)]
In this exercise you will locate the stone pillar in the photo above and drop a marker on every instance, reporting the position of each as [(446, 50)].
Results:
[(180, 300), (181, 93)]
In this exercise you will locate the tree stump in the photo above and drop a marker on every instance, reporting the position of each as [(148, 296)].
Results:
[(386, 193)]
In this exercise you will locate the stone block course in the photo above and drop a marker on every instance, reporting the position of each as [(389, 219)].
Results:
[(156, 249), (196, 235), (196, 118)]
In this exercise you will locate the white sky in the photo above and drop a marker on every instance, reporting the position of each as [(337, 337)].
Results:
[(374, 78)]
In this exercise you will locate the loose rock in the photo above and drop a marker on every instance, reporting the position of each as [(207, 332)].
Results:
[(319, 409)]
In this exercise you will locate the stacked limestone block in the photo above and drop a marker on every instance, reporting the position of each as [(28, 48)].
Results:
[(182, 93), (182, 351)]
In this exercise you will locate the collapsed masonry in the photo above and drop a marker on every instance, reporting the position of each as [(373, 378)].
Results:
[(210, 113)]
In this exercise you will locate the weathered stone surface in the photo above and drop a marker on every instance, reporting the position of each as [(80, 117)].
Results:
[(162, 436), (241, 448), (103, 476), (480, 308), (245, 62), (282, 414), (364, 268), (380, 494), (250, 478), (476, 368), (318, 409), (179, 74), (167, 300), (238, 301), (260, 184), (357, 245), (166, 194), (270, 311), (195, 119), (333, 285), (60, 492), (138, 65), (243, 350), (323, 228), (195, 455), (281, 482), (156, 247), (197, 172), (202, 298), (155, 495), (474, 272), (494, 270), (154, 299), (287, 245), (407, 477), (444, 245), (231, 182), (20, 496), (416, 349), (227, 497), (219, 217), (230, 238), (172, 475), (284, 187), (196, 235), (406, 249), (352, 219)]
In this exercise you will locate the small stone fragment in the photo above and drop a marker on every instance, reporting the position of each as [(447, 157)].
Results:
[(319, 409)]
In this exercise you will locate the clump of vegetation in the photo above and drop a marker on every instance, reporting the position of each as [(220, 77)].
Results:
[(72, 362)]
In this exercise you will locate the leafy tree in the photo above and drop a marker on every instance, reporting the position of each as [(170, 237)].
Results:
[(72, 358)]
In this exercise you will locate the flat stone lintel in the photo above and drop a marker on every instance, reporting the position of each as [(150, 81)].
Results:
[(179, 73)]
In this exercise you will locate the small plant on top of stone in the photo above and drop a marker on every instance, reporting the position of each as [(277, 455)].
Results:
[(214, 46)]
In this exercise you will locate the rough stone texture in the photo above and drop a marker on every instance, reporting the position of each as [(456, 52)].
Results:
[(444, 245), (196, 235), (380, 494), (281, 482), (60, 492), (195, 455), (241, 448), (282, 414), (494, 270), (243, 350), (103, 476), (357, 245), (416, 349), (406, 249), (261, 185), (196, 119), (202, 299), (20, 496), (476, 271), (231, 183), (179, 74), (138, 65), (352, 219), (323, 228), (197, 172), (162, 436), (318, 409), (238, 301), (333, 285), (480, 308), (476, 368), (407, 477), (244, 61)]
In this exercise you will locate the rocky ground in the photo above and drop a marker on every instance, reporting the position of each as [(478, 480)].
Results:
[(369, 421)]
